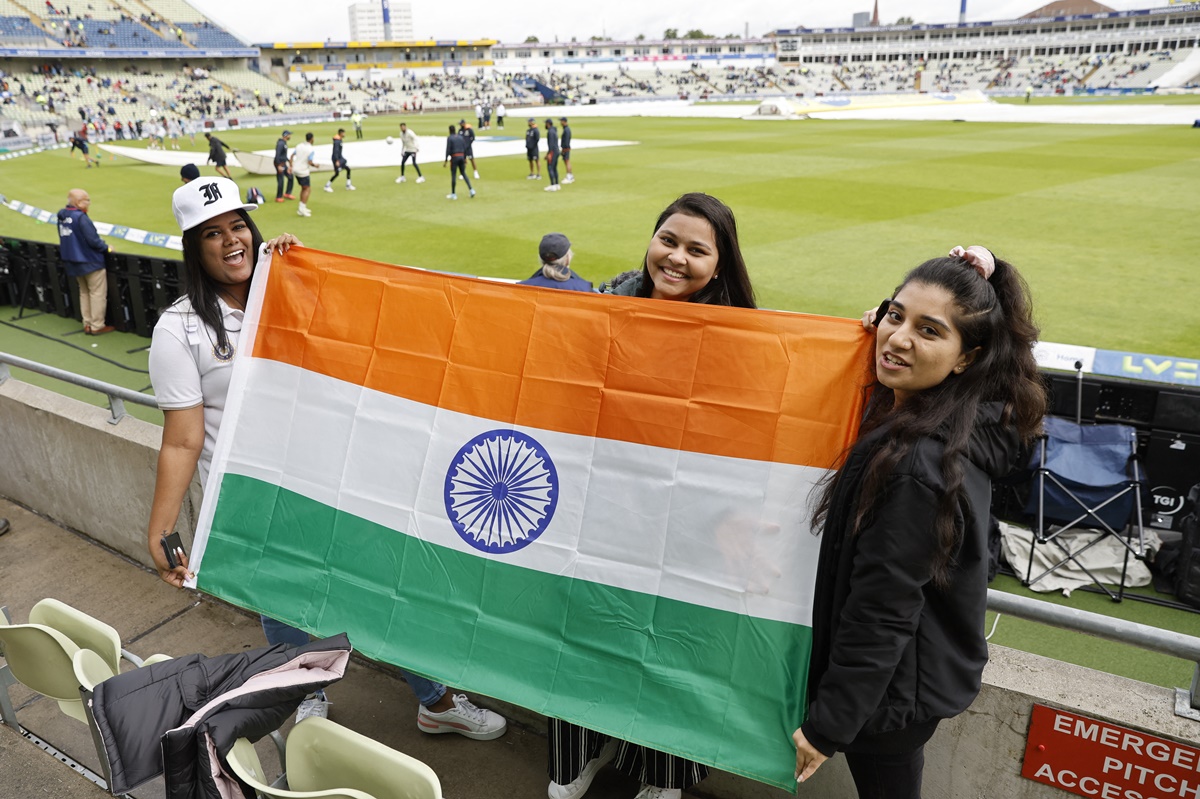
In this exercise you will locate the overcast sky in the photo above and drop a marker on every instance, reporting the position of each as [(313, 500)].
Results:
[(317, 20)]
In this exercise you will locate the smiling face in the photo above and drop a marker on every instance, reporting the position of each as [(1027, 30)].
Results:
[(227, 250), (682, 257), (917, 344)]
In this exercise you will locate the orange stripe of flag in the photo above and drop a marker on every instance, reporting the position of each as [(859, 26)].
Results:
[(760, 385)]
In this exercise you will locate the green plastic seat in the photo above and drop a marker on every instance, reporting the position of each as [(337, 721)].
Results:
[(328, 761), (40, 659)]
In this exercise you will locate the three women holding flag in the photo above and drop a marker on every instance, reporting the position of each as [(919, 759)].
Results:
[(901, 591)]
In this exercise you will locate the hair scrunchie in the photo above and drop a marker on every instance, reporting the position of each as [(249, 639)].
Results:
[(980, 259)]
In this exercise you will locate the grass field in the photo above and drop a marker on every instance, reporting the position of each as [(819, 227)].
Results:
[(1101, 219)]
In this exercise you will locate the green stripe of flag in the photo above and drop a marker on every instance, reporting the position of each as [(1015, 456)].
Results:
[(718, 687)]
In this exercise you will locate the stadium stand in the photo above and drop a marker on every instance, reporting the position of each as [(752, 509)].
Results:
[(164, 57)]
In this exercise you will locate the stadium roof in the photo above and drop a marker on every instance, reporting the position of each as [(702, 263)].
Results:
[(1068, 8)]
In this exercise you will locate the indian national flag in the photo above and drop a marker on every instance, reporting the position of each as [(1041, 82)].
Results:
[(592, 506)]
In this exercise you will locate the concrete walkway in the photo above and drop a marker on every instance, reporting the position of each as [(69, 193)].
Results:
[(39, 559)]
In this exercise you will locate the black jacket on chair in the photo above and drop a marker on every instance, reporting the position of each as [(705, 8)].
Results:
[(893, 653), (178, 716)]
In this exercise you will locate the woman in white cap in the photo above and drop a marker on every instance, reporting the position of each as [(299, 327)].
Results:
[(195, 341), (191, 355)]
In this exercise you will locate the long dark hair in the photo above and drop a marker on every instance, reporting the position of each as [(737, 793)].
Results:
[(733, 287), (200, 288), (994, 315)]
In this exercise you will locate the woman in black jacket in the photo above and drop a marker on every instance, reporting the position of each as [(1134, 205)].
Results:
[(901, 586)]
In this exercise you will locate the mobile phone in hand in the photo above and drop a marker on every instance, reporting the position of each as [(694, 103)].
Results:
[(173, 548)]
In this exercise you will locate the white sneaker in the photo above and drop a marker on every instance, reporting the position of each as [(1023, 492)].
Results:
[(312, 706), (579, 786), (421, 179), (472, 192), (451, 196), (464, 718), (329, 188), (654, 792), (402, 179), (531, 177), (477, 174), (350, 187), (304, 212), (569, 179)]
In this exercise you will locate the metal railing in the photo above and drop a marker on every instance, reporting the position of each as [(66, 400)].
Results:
[(1153, 639), (117, 395)]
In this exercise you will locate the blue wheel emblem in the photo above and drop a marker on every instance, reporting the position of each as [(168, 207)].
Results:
[(501, 491)]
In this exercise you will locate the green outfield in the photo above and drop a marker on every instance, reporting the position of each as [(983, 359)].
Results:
[(1101, 219)]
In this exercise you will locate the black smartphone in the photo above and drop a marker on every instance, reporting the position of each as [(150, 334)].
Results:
[(172, 545)]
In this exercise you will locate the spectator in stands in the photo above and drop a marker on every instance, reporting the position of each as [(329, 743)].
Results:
[(552, 153), (456, 156), (339, 162), (216, 154), (693, 256), (410, 144), (532, 135), (555, 271), (302, 164), (82, 253), (283, 167), (901, 590), (565, 143)]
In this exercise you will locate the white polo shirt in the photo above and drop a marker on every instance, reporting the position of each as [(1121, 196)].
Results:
[(186, 369)]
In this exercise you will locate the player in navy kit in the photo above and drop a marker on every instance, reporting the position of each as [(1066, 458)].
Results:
[(552, 153), (532, 135), (468, 133), (456, 156), (565, 142), (339, 163)]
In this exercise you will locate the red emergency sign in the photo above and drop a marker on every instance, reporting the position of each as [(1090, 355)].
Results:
[(1094, 758)]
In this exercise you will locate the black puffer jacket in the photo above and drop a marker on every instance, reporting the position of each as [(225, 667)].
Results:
[(893, 653), (176, 717)]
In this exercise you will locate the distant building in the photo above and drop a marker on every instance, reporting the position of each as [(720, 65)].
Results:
[(401, 22), (1067, 8), (381, 21), (861, 19)]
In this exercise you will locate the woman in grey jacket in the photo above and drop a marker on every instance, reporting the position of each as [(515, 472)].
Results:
[(693, 256), (901, 586)]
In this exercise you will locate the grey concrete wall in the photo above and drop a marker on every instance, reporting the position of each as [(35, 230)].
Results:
[(63, 459)]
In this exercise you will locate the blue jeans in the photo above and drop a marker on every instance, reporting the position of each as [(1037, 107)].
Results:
[(427, 692)]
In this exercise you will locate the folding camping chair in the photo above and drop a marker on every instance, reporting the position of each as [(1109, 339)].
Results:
[(1087, 476)]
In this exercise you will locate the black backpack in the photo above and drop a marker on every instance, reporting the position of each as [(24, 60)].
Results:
[(1187, 568)]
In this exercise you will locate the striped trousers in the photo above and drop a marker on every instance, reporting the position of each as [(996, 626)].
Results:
[(572, 746)]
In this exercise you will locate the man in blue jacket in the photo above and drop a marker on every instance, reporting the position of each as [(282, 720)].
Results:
[(82, 253)]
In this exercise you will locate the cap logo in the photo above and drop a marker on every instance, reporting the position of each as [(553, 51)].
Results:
[(212, 192)]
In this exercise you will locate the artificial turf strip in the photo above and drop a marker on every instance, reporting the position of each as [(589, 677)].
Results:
[(1098, 653)]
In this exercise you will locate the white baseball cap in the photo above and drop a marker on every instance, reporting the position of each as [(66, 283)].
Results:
[(203, 198)]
